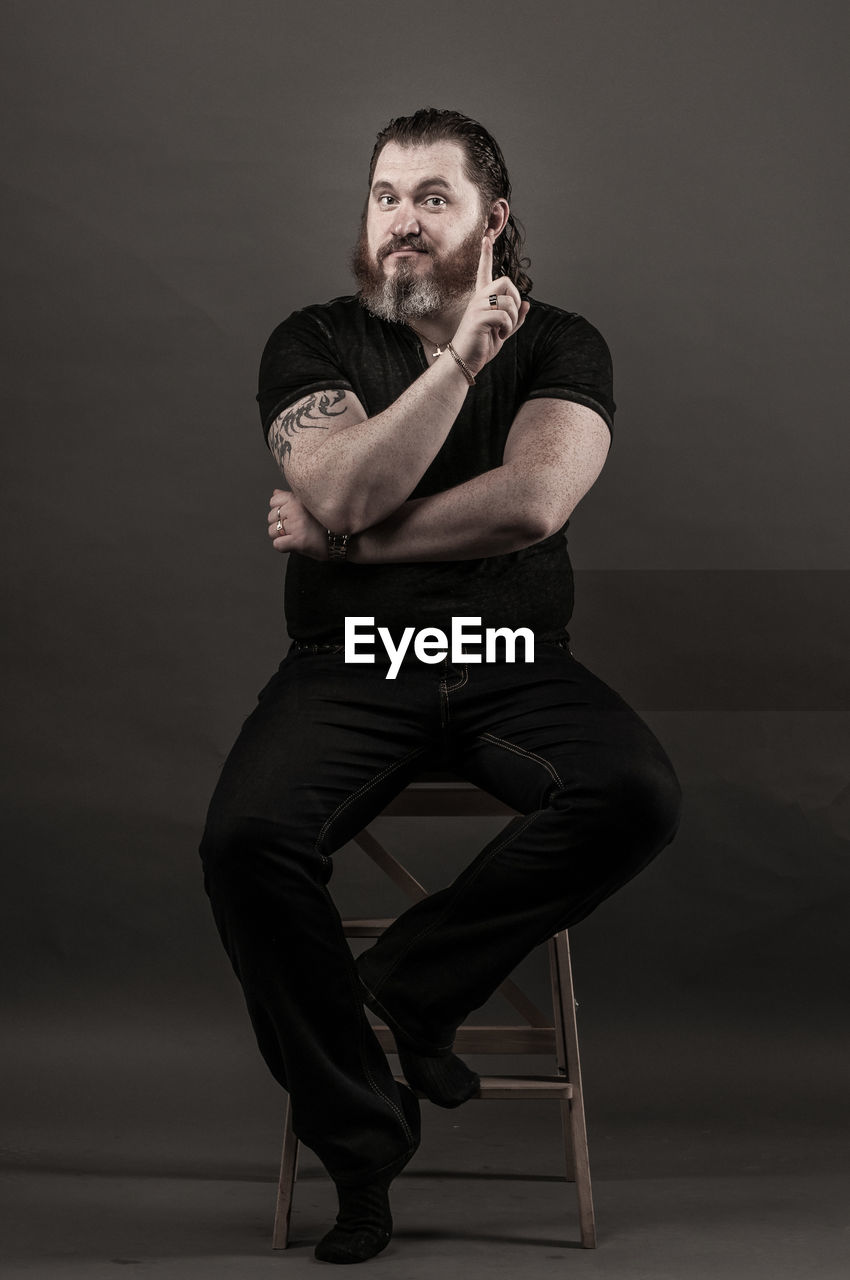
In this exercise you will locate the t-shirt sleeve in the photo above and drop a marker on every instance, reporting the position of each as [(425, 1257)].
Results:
[(300, 356), (573, 363)]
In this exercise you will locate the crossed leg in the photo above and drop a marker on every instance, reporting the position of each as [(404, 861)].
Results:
[(598, 799)]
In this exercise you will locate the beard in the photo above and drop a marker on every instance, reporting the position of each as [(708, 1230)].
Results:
[(409, 292)]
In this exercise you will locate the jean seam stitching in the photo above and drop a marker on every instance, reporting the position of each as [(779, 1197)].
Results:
[(374, 1086), (521, 751), (382, 1011), (452, 688), (362, 791)]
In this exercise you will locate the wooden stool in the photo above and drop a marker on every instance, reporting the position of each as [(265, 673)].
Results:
[(539, 1034)]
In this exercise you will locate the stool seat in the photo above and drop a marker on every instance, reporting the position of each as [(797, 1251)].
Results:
[(441, 795)]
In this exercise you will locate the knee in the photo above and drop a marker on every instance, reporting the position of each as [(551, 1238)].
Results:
[(219, 849), (633, 798), (647, 800), (246, 851), (225, 851)]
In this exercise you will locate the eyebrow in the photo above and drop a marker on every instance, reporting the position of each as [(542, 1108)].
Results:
[(383, 184)]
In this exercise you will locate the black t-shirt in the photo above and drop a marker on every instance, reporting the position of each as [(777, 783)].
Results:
[(340, 345)]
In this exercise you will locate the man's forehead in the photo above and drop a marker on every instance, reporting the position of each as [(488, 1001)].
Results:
[(400, 165)]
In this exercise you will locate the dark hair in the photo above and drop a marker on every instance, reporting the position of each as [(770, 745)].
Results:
[(485, 167)]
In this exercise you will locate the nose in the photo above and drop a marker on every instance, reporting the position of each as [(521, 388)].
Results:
[(405, 223)]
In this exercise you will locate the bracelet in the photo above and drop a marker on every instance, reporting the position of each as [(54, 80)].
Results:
[(337, 546), (465, 369)]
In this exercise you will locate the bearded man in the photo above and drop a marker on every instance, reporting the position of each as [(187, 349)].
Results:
[(435, 433)]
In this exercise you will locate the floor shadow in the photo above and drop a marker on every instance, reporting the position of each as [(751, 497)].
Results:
[(446, 1233)]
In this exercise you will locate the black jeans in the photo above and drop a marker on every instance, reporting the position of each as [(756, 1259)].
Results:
[(326, 749)]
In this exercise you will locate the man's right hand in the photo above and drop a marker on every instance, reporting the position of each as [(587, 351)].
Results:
[(484, 329)]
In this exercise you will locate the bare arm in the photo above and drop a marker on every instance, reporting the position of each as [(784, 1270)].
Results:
[(554, 453), (351, 471)]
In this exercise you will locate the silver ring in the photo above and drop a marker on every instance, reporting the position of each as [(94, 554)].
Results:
[(280, 527), (494, 301)]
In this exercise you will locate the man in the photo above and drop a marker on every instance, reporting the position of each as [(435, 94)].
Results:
[(435, 432)]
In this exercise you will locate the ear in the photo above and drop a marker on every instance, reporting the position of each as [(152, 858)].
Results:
[(498, 217)]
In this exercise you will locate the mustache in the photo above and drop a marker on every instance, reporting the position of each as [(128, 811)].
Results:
[(402, 242)]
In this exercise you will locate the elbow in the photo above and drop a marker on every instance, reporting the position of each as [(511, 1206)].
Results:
[(353, 512), (343, 517), (330, 504), (347, 504), (538, 524), (338, 512), (537, 509), (333, 516)]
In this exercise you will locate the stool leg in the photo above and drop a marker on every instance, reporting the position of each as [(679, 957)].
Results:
[(572, 1111), (286, 1182)]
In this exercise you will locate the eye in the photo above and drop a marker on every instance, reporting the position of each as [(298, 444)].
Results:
[(385, 200), (434, 201)]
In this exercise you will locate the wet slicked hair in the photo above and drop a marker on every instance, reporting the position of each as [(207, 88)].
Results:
[(485, 167)]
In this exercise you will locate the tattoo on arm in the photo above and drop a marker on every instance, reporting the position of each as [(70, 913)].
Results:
[(307, 413)]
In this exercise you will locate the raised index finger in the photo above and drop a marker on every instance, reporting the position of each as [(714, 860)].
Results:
[(485, 264)]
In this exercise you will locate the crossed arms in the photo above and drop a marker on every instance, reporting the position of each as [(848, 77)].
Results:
[(354, 474)]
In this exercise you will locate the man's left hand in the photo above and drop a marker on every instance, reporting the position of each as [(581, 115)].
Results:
[(300, 530)]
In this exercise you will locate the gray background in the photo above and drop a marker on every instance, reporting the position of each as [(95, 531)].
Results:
[(176, 179)]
